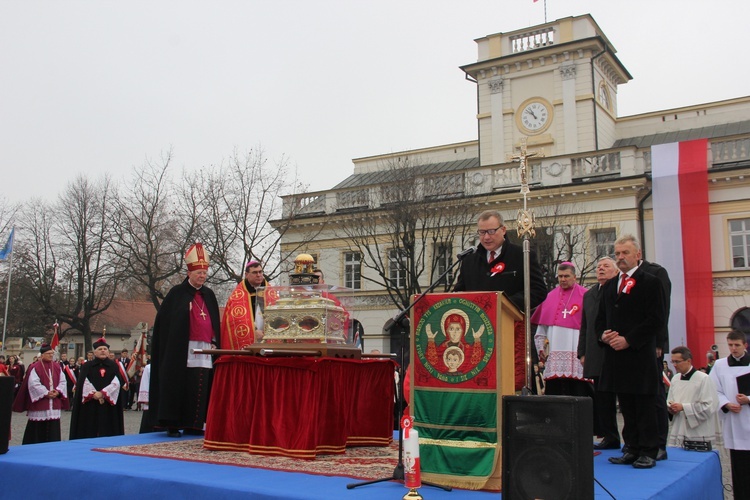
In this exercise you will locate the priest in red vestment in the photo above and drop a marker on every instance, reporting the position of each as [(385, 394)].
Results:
[(239, 327)]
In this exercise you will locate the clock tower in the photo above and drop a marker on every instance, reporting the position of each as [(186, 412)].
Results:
[(555, 84)]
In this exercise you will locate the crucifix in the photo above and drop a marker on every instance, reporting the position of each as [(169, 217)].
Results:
[(525, 228), (566, 312)]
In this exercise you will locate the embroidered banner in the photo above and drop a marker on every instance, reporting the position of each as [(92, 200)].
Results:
[(462, 351)]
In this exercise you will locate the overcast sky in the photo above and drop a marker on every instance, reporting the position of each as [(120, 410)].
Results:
[(100, 86)]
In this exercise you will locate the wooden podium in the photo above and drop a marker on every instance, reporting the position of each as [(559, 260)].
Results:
[(462, 363)]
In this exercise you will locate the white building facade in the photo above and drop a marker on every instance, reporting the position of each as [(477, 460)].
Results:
[(556, 87)]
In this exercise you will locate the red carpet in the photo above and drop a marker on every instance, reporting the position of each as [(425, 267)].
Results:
[(358, 463)]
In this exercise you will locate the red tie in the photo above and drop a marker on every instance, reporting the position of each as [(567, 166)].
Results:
[(492, 256), (623, 278)]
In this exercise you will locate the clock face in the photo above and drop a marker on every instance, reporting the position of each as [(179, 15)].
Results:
[(534, 117)]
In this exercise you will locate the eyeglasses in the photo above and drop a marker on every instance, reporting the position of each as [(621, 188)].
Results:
[(491, 232)]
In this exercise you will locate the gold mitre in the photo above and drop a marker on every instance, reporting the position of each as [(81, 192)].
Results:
[(196, 257)]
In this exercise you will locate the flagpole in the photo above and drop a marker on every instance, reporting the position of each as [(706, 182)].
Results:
[(7, 293)]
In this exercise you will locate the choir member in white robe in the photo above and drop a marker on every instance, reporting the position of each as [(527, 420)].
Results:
[(735, 409), (692, 402)]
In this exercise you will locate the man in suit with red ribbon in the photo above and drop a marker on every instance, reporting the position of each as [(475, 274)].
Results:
[(631, 317)]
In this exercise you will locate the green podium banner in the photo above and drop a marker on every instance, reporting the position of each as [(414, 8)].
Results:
[(462, 356)]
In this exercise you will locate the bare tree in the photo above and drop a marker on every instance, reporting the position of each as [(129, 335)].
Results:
[(151, 231), (241, 213), (26, 316), (67, 262), (412, 234), (563, 234)]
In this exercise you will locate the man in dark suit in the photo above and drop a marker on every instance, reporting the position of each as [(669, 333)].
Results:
[(591, 354), (662, 348), (630, 319), (497, 265)]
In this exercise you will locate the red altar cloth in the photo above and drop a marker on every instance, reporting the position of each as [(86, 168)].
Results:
[(299, 407)]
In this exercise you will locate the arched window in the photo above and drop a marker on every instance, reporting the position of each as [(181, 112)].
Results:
[(741, 320)]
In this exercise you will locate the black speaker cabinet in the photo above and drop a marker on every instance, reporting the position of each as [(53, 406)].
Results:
[(548, 449), (6, 402)]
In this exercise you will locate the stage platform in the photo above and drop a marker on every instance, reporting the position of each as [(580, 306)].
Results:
[(43, 470)]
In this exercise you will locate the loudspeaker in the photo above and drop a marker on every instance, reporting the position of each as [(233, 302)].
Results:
[(548, 449), (6, 403)]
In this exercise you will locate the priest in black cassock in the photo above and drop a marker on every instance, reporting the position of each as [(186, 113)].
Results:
[(95, 409), (187, 319)]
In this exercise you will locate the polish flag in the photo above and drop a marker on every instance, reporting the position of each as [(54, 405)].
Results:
[(55, 337), (682, 240)]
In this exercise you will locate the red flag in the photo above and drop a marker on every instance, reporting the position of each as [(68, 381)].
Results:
[(55, 338), (139, 356)]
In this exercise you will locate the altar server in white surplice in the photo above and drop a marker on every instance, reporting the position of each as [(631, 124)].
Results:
[(729, 374), (692, 402)]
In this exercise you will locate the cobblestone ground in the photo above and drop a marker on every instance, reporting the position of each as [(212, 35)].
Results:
[(133, 424)]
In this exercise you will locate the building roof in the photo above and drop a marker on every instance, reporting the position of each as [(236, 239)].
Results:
[(385, 176), (121, 317), (709, 132)]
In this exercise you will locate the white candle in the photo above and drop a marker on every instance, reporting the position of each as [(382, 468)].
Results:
[(412, 476)]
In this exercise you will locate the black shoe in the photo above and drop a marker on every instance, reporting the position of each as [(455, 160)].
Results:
[(606, 444), (661, 455), (625, 459), (174, 433), (644, 462)]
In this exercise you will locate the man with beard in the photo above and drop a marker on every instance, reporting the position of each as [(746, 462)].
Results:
[(43, 394), (188, 319), (95, 410)]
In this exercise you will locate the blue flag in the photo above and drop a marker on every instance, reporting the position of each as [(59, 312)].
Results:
[(8, 248)]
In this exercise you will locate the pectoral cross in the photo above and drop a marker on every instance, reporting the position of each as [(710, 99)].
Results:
[(203, 315), (566, 312)]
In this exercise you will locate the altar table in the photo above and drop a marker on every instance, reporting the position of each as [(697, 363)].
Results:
[(299, 406)]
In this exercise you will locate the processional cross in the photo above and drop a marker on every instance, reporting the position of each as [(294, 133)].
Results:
[(525, 228)]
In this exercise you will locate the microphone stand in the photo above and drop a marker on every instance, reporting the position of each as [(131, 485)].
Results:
[(401, 320)]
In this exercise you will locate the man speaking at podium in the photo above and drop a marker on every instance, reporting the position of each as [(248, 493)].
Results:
[(497, 265)]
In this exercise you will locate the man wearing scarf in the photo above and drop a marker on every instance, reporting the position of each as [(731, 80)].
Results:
[(559, 322), (95, 409), (239, 327), (43, 395), (180, 380)]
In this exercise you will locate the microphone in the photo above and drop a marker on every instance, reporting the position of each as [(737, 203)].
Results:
[(466, 252)]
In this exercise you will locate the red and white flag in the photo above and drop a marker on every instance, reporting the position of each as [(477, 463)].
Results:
[(55, 337), (682, 239), (139, 356)]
